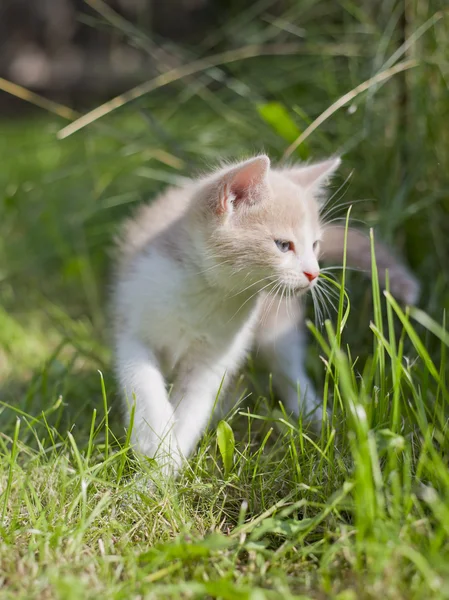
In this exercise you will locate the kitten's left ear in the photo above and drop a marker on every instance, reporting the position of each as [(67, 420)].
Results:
[(314, 176), (243, 184)]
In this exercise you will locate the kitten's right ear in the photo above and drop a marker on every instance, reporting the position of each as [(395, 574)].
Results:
[(314, 175), (243, 184)]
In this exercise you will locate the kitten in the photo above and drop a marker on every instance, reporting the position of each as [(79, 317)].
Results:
[(206, 271)]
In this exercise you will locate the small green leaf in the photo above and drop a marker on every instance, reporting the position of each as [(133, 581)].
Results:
[(226, 445), (276, 115)]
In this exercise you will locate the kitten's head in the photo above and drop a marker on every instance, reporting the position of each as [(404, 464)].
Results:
[(261, 226)]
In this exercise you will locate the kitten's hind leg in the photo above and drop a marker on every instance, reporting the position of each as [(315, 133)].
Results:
[(143, 383), (281, 344)]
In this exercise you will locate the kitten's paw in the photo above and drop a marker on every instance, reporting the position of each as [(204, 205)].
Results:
[(146, 485), (140, 487)]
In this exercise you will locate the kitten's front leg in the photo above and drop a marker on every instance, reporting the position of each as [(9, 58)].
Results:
[(193, 399), (142, 382), (205, 372)]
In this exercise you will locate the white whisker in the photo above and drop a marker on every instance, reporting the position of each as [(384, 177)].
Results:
[(268, 305), (279, 304), (343, 220), (329, 200), (328, 271), (251, 285), (326, 296), (334, 209), (250, 298), (316, 309)]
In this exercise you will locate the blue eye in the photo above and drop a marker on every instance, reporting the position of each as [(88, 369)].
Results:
[(284, 246)]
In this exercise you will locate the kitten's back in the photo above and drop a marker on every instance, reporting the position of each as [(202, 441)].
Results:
[(151, 220)]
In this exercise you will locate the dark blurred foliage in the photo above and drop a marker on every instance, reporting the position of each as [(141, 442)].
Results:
[(79, 51)]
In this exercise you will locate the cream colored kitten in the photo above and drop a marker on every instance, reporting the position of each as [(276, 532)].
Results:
[(208, 270)]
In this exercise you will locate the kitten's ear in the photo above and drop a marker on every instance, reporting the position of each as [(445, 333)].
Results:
[(314, 176), (245, 183)]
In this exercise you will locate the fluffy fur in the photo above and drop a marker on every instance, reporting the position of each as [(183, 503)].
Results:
[(208, 270)]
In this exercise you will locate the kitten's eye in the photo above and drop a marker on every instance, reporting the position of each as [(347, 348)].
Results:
[(284, 246), (315, 245)]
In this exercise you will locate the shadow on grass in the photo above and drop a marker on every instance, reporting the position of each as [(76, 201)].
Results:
[(60, 398)]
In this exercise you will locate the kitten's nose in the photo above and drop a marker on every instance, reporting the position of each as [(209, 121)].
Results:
[(311, 276)]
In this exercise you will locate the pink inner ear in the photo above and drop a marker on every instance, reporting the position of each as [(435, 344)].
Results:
[(242, 184), (246, 179)]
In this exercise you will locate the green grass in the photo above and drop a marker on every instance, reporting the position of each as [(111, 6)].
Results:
[(264, 509)]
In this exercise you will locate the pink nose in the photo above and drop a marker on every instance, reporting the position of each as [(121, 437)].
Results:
[(311, 276)]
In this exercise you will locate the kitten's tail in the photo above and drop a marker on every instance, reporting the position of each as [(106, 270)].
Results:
[(403, 285)]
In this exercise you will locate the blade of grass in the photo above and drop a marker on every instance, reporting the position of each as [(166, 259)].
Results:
[(346, 98), (245, 53)]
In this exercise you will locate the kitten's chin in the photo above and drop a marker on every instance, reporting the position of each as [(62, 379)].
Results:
[(300, 290), (297, 286)]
